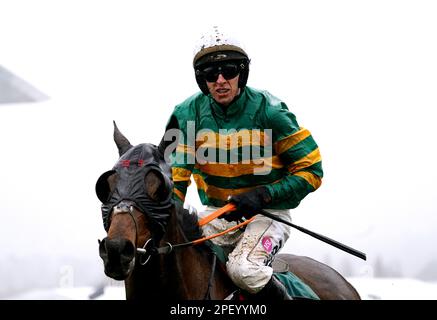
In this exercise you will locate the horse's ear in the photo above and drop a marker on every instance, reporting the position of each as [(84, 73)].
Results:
[(170, 139), (121, 141)]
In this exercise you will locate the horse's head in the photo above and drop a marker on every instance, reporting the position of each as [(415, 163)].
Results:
[(136, 198)]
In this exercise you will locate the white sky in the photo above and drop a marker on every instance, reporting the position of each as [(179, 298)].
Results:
[(360, 75)]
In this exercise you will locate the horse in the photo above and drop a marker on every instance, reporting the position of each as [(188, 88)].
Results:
[(149, 236)]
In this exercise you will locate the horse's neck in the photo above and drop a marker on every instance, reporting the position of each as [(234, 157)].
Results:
[(186, 271)]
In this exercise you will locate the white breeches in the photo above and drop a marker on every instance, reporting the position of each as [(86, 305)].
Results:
[(251, 250)]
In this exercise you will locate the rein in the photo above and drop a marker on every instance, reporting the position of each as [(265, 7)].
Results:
[(169, 247), (148, 250)]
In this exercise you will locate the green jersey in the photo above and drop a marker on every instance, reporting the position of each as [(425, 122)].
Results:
[(255, 141)]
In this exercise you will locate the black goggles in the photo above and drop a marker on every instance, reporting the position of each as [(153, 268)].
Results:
[(227, 70)]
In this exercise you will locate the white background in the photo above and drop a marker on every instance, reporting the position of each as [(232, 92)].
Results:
[(360, 75)]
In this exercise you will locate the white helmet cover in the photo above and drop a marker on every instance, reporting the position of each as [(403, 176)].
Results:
[(216, 42)]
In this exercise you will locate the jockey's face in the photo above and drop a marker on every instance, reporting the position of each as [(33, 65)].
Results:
[(224, 91)]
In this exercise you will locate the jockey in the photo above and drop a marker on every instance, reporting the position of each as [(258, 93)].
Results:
[(243, 145)]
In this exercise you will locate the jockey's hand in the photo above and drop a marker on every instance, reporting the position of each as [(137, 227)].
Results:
[(248, 204)]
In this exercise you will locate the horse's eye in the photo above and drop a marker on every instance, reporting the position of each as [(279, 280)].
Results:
[(156, 187), (105, 185)]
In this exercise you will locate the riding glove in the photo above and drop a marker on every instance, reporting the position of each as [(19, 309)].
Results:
[(248, 204)]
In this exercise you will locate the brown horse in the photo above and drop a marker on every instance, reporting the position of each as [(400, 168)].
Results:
[(148, 236)]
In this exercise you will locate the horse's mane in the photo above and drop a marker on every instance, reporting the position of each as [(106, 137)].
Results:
[(189, 223)]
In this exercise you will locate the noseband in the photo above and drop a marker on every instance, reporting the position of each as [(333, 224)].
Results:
[(127, 207)]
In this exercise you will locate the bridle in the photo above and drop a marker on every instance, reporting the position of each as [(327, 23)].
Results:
[(148, 249), (127, 207)]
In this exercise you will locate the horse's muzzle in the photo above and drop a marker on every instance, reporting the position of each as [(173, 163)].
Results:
[(118, 256)]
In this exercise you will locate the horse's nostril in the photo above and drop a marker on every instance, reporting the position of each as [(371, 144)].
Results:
[(128, 251), (121, 250)]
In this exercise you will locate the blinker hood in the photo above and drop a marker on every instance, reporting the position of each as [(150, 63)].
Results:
[(131, 170)]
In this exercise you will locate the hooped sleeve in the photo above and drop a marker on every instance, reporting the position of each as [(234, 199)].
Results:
[(300, 155)]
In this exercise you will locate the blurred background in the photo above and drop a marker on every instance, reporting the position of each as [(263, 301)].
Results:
[(361, 76)]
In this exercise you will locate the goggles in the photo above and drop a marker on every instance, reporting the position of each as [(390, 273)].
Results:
[(227, 70)]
